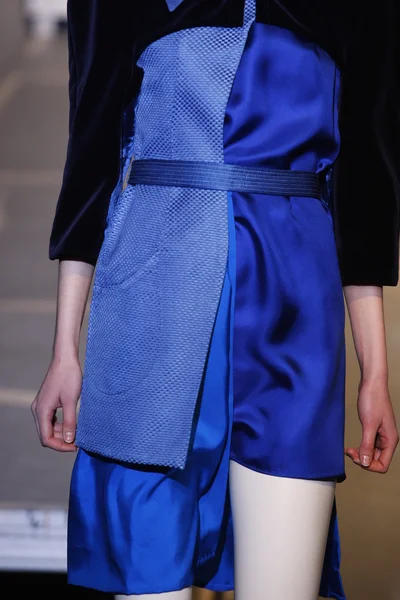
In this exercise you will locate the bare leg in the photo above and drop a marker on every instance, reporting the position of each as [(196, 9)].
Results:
[(180, 595), (280, 528)]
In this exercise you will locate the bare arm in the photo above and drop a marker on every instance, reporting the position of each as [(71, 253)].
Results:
[(379, 437), (73, 289), (61, 386)]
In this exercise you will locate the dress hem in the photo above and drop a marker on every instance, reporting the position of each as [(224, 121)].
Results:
[(320, 477), (211, 588)]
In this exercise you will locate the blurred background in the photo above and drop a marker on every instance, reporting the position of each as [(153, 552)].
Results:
[(34, 481)]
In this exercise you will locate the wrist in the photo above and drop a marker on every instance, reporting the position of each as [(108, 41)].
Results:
[(374, 375), (65, 351), (373, 362)]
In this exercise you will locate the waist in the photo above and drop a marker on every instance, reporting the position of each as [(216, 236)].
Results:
[(225, 177)]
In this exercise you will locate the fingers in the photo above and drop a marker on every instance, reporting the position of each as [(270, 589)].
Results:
[(374, 465), (353, 454), (377, 453), (367, 447), (386, 446), (48, 438), (60, 390), (380, 461), (49, 430), (45, 417), (58, 433), (33, 409), (69, 422), (386, 441), (57, 443), (52, 437)]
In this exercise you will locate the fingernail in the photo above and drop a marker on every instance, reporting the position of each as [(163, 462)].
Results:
[(366, 460), (68, 437)]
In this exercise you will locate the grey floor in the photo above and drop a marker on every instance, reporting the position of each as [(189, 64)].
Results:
[(33, 133)]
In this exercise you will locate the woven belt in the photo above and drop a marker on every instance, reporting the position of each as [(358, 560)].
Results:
[(225, 177)]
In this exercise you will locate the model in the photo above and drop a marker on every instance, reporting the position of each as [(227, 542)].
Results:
[(231, 171)]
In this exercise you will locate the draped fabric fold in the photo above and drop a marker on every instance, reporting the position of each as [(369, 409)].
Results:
[(268, 346)]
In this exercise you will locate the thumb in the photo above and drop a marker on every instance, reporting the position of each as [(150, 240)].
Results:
[(367, 447), (69, 423)]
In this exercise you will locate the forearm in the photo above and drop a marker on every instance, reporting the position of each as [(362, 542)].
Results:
[(365, 307), (74, 279)]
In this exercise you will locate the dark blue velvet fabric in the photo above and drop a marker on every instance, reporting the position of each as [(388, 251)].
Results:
[(105, 37), (100, 73)]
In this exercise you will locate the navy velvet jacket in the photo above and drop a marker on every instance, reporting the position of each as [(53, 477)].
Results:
[(105, 39)]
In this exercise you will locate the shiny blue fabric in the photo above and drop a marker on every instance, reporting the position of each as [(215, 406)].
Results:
[(272, 395), (289, 351), (141, 530)]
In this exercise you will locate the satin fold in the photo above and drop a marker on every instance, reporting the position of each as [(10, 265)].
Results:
[(272, 395), (289, 351), (141, 530)]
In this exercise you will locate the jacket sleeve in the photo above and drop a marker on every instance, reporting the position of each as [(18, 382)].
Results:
[(367, 171), (100, 44)]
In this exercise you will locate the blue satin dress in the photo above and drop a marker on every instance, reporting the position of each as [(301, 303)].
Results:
[(273, 392)]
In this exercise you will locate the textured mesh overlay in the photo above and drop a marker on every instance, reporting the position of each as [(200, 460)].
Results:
[(162, 265)]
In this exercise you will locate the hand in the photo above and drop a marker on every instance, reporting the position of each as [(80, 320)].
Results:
[(379, 430), (60, 389)]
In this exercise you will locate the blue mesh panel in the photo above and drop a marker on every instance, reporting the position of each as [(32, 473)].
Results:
[(161, 269)]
